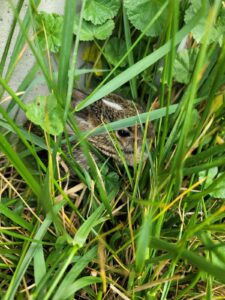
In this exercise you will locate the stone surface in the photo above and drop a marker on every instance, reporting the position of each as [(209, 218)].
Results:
[(26, 59)]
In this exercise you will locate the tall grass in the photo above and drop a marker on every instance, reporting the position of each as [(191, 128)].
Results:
[(154, 231)]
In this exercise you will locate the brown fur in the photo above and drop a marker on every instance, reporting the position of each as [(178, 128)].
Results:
[(103, 112)]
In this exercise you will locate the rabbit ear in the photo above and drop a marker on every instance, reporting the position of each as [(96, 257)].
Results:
[(77, 97), (114, 102)]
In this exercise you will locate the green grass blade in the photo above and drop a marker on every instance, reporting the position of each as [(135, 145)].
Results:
[(39, 264), (15, 218), (79, 285), (133, 83), (87, 226), (65, 52), (195, 259), (25, 262), (19, 165), (71, 276), (9, 39)]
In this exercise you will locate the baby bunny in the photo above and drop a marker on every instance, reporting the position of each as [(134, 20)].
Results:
[(108, 109)]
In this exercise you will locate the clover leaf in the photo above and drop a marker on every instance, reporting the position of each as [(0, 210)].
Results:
[(198, 31), (141, 12), (219, 190), (99, 11), (90, 31), (115, 50), (45, 112), (184, 65), (49, 26)]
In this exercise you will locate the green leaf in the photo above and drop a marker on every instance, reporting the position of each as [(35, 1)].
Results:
[(115, 50), (219, 190), (45, 112), (143, 243), (99, 11), (141, 12), (50, 26), (111, 181), (184, 65), (211, 173), (199, 30), (87, 226), (90, 31)]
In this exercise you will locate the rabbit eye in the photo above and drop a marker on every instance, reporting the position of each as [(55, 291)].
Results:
[(123, 133)]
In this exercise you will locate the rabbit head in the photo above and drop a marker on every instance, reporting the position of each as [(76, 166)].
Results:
[(109, 109)]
